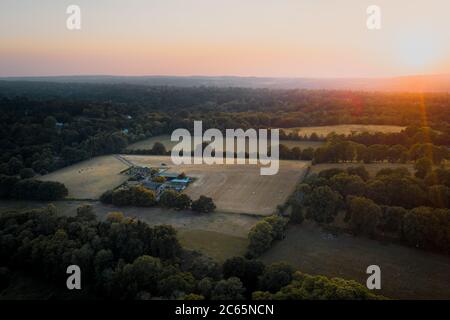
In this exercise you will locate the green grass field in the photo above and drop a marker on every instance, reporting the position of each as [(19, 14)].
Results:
[(216, 245)]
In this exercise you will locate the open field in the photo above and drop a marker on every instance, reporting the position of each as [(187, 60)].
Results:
[(218, 235), (345, 129), (89, 179), (147, 144), (372, 168), (216, 245), (406, 273), (236, 188)]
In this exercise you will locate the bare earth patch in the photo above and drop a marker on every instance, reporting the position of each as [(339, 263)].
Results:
[(89, 179), (236, 188)]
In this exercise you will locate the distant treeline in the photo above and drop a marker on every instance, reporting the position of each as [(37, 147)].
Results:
[(407, 137)]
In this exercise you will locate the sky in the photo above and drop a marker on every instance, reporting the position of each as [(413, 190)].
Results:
[(274, 38)]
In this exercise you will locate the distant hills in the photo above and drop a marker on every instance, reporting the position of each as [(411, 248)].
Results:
[(421, 83)]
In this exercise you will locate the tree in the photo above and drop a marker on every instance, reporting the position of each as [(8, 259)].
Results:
[(86, 212), (307, 287), (423, 167), (278, 225), (107, 197), (348, 184), (260, 238), (329, 173), (229, 289), (438, 176), (323, 204), (364, 214), (246, 270), (425, 227), (159, 149), (392, 219), (142, 274), (203, 204), (164, 242), (122, 197), (143, 197), (376, 191), (276, 276), (183, 202), (7, 184), (359, 171), (397, 153), (439, 196), (14, 166), (27, 173), (51, 190), (177, 285), (168, 198), (115, 217)]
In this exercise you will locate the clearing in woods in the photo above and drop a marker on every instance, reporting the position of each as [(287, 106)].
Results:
[(89, 179), (235, 188)]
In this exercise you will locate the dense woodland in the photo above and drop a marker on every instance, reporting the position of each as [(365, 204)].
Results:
[(124, 258)]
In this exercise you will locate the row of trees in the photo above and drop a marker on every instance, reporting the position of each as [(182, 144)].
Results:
[(13, 188), (262, 235), (124, 258), (348, 151), (392, 204), (407, 137), (140, 196)]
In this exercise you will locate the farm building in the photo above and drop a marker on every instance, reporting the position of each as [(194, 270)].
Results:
[(169, 175), (154, 186)]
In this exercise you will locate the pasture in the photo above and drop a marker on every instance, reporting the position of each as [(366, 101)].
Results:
[(346, 129), (235, 188), (89, 179), (406, 273)]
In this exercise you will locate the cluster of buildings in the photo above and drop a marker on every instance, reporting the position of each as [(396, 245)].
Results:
[(157, 179)]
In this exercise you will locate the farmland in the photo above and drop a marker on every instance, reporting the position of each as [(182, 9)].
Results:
[(345, 129), (407, 273), (147, 144), (236, 188), (89, 179)]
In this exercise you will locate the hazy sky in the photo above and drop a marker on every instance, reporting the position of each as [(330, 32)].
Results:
[(294, 38)]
